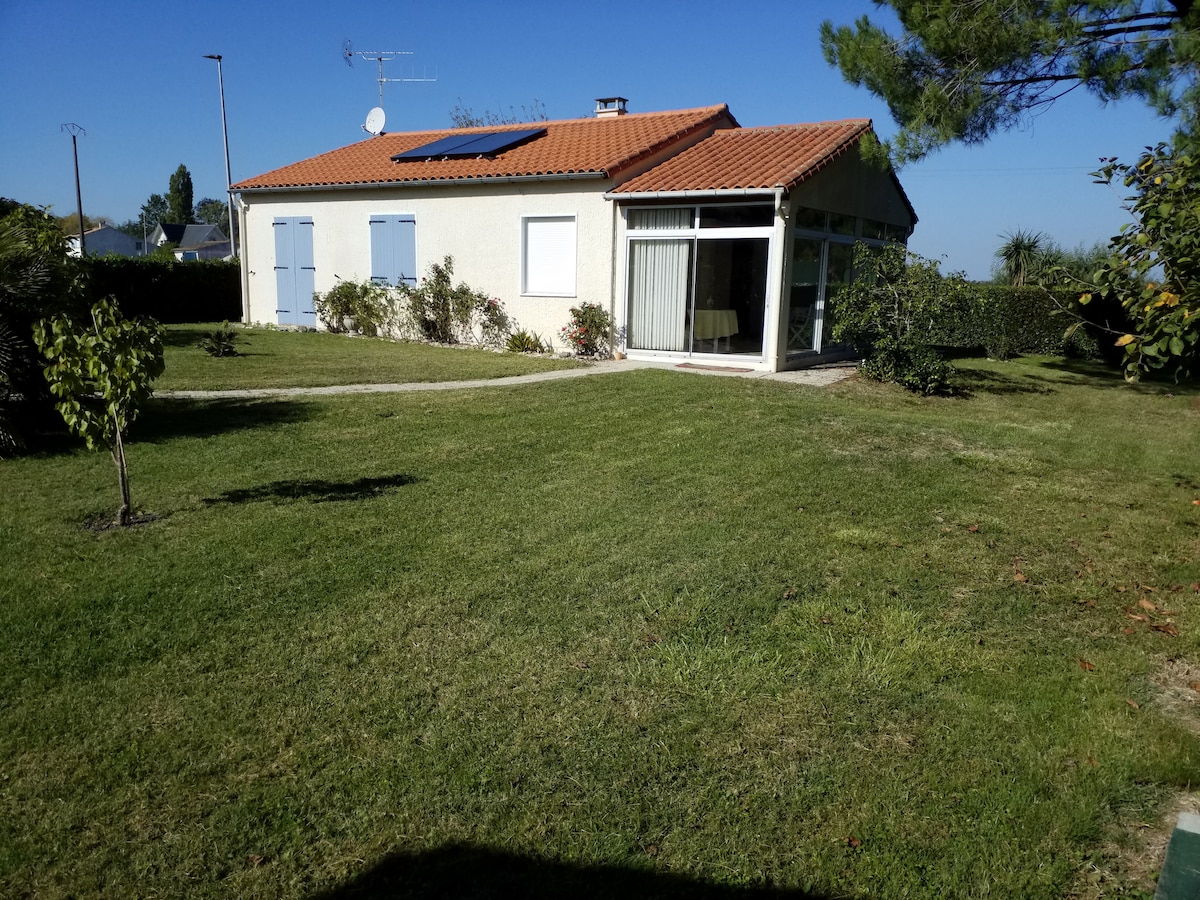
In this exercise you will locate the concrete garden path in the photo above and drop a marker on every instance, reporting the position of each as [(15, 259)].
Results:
[(815, 377)]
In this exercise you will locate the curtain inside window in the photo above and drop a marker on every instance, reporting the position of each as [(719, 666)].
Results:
[(661, 217), (659, 291)]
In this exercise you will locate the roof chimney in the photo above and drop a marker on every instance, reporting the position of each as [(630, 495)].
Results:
[(610, 107)]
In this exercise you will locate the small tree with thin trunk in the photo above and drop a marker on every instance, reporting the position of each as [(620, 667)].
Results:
[(99, 374)]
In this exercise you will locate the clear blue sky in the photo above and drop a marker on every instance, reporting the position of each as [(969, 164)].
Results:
[(133, 75)]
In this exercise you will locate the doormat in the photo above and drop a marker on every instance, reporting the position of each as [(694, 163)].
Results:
[(710, 368)]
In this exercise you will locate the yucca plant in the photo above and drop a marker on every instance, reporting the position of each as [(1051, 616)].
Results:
[(525, 342), (1022, 257), (220, 342)]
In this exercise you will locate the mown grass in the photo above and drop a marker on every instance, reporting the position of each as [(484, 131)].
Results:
[(275, 359), (637, 633)]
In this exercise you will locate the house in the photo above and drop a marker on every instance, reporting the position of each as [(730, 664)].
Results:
[(706, 241), (106, 240), (192, 241)]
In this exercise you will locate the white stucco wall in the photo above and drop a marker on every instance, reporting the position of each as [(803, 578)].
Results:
[(479, 226)]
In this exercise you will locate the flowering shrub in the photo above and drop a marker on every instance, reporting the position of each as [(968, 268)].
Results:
[(449, 314), (589, 330)]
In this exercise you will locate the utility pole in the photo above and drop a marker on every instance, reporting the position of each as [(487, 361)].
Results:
[(225, 138), (75, 131)]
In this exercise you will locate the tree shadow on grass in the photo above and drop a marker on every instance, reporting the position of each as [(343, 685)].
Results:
[(1095, 374), (1046, 376), (314, 490), (163, 419), (969, 382), (478, 873), (184, 335)]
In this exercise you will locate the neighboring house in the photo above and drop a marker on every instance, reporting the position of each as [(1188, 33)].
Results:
[(192, 241), (214, 249), (706, 241), (105, 240)]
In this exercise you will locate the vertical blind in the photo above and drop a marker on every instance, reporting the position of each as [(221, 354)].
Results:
[(659, 289)]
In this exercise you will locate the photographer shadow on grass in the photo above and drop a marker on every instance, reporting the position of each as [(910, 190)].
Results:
[(469, 872)]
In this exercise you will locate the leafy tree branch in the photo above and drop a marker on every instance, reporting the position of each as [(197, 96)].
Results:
[(961, 71)]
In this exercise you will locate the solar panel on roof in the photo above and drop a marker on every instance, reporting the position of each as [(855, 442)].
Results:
[(485, 144), (441, 147)]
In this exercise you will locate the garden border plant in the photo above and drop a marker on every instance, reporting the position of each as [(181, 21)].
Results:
[(445, 313), (523, 341), (361, 306), (589, 331), (434, 310)]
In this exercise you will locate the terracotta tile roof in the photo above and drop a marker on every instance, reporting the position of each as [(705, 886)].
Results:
[(764, 158), (594, 146)]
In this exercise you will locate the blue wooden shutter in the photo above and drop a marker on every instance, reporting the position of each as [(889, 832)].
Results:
[(285, 273), (406, 250), (306, 272), (394, 249), (382, 257), (295, 273)]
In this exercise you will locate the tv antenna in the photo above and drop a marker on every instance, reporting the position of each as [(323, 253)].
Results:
[(380, 56)]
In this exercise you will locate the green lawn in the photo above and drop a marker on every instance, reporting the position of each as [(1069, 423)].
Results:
[(273, 359), (634, 634)]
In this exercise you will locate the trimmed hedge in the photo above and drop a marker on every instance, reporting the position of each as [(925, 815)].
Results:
[(1005, 321), (171, 291)]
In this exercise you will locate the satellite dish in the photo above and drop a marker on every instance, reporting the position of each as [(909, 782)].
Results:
[(375, 120)]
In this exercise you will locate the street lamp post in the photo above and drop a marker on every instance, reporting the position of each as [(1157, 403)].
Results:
[(75, 131), (225, 137)]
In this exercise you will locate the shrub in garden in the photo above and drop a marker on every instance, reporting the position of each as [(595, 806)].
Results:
[(891, 314), (220, 342), (589, 330), (493, 322), (446, 313), (354, 305), (910, 364), (525, 342), (37, 280)]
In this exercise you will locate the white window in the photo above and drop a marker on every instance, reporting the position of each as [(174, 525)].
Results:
[(548, 256)]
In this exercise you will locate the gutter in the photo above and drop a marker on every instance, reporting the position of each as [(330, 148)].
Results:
[(431, 182), (243, 260), (714, 193)]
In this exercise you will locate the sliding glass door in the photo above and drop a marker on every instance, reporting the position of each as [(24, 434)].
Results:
[(730, 296), (698, 295)]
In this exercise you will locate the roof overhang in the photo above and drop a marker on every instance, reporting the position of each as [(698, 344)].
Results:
[(432, 182), (711, 194)]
